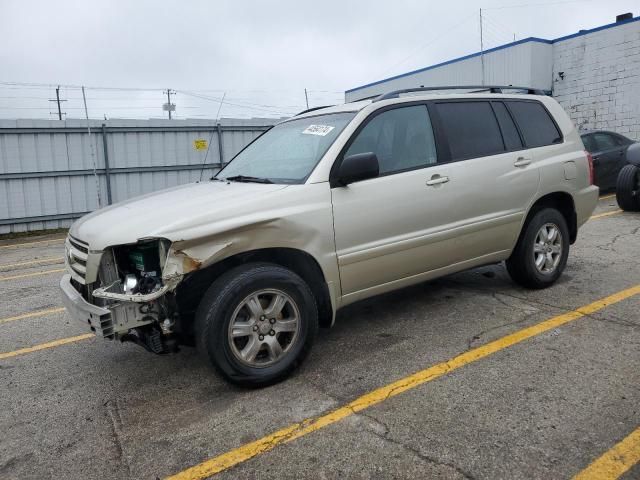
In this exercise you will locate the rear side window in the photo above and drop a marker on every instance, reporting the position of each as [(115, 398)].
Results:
[(509, 131), (471, 129), (536, 125), (604, 141)]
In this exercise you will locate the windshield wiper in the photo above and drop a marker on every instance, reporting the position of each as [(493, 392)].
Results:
[(248, 179)]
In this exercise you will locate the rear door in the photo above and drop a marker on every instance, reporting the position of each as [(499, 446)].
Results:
[(493, 176)]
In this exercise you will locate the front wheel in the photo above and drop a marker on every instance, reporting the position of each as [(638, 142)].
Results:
[(542, 250), (256, 323)]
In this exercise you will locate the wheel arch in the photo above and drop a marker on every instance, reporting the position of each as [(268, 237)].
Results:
[(561, 201), (190, 291)]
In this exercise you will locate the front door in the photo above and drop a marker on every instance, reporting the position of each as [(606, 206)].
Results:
[(380, 223)]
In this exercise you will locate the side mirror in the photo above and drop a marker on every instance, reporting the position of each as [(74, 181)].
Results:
[(360, 166)]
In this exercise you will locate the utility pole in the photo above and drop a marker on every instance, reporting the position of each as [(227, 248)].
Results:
[(57, 100), (306, 97), (169, 107), (481, 49)]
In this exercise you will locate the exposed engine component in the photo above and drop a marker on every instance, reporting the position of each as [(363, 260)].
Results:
[(151, 338), (131, 285)]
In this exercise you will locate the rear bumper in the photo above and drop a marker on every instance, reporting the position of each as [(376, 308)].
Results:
[(585, 202), (91, 316)]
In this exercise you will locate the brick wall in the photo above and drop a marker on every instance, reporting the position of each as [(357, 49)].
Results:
[(601, 84)]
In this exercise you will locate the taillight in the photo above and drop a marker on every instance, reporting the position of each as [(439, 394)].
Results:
[(590, 162)]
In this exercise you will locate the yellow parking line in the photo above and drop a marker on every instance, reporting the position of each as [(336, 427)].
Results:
[(44, 346), (18, 245), (37, 313), (605, 214), (245, 452), (606, 197), (32, 262), (615, 462), (34, 274)]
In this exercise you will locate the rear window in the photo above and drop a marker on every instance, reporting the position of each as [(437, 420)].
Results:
[(471, 129), (536, 125)]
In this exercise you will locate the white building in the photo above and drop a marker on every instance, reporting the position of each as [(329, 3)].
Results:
[(594, 74)]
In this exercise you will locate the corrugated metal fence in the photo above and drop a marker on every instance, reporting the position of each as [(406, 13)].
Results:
[(52, 172)]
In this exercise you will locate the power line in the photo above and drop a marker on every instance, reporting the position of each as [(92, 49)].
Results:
[(436, 38), (218, 100), (537, 4)]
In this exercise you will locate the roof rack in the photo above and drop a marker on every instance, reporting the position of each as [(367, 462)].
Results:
[(312, 109), (475, 88)]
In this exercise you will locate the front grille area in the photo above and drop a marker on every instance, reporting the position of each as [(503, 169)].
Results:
[(76, 258)]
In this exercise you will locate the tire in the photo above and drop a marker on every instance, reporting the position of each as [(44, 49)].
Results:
[(246, 354), (628, 188), (521, 265)]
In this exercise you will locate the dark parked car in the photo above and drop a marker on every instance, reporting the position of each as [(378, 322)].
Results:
[(610, 153)]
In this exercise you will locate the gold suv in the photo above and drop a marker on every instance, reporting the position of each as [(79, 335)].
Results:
[(329, 207)]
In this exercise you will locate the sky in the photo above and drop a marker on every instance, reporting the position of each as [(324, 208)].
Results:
[(259, 55)]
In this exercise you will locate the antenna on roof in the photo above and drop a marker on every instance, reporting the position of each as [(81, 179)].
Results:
[(481, 49)]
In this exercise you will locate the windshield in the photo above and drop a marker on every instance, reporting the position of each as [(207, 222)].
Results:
[(288, 152)]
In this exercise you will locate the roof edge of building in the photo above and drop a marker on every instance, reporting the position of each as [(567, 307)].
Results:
[(500, 47)]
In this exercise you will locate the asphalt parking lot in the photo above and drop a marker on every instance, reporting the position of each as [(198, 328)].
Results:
[(510, 383)]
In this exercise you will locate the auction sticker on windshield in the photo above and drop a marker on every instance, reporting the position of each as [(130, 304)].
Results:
[(321, 130)]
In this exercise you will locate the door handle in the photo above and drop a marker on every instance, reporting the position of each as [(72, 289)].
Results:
[(522, 162), (437, 180)]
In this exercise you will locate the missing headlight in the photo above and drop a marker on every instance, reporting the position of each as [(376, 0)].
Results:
[(140, 266)]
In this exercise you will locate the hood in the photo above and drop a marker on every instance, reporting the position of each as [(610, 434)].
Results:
[(167, 213)]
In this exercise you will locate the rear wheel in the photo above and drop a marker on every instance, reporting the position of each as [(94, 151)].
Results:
[(256, 323), (628, 188), (542, 250)]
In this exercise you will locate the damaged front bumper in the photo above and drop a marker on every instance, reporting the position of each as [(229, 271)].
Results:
[(118, 318), (97, 318)]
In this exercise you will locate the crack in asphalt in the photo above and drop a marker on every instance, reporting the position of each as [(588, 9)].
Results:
[(609, 246), (601, 317), (386, 436), (115, 422)]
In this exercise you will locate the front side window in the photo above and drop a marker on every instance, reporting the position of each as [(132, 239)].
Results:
[(401, 138), (471, 129), (288, 152), (535, 123)]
